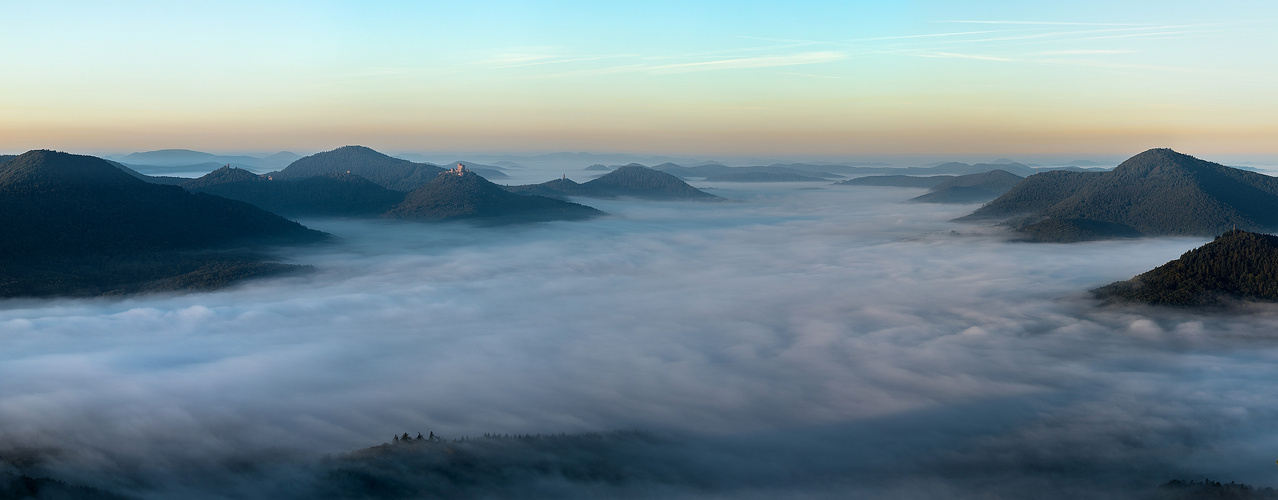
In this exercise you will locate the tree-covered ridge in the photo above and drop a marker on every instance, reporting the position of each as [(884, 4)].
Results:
[(24, 487), (454, 195), (1157, 192), (505, 466), (63, 204), (223, 175), (77, 225), (1035, 194), (1237, 265), (631, 180), (333, 195), (971, 188), (388, 172), (643, 182), (557, 188), (1207, 489)]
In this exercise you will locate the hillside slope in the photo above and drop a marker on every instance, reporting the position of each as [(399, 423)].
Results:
[(388, 172), (1158, 192), (464, 195), (1237, 265), (971, 188), (78, 225)]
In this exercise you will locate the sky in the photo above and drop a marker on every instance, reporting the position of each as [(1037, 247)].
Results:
[(836, 79)]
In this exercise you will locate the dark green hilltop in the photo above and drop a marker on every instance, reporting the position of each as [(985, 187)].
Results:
[(325, 195), (460, 194), (391, 173), (629, 181), (1237, 265), (1156, 193), (971, 188), (78, 225)]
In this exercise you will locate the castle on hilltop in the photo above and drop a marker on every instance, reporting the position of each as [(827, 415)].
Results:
[(460, 170)]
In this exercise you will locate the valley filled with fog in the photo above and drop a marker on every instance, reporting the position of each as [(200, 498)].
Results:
[(800, 331)]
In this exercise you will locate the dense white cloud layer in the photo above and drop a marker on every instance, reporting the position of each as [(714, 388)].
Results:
[(872, 334)]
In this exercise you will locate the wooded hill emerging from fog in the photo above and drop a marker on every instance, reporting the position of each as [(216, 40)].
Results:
[(77, 225), (1237, 265), (1156, 193)]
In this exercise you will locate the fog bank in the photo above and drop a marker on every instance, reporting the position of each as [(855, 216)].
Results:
[(878, 347)]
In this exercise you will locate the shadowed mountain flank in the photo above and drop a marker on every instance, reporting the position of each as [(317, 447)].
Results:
[(971, 188), (388, 172), (631, 181), (328, 195), (463, 195), (1157, 192), (79, 225)]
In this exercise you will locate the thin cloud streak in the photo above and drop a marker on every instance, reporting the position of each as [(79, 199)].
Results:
[(1042, 23)]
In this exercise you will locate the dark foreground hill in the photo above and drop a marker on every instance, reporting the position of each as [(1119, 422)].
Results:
[(971, 188), (1237, 265), (906, 181), (391, 173), (23, 487), (463, 195), (631, 180), (328, 195), (1157, 192), (77, 225)]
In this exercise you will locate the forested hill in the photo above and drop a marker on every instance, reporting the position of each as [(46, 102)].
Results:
[(328, 195), (643, 182), (635, 181), (1238, 265), (465, 195), (388, 172), (971, 188), (1157, 192), (222, 175), (79, 225), (1035, 194)]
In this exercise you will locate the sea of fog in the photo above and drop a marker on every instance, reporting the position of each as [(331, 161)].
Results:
[(799, 328)]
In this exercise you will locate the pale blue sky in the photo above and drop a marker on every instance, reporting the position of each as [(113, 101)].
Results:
[(725, 78)]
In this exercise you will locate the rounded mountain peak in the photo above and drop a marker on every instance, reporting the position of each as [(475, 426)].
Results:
[(1161, 160), (45, 169)]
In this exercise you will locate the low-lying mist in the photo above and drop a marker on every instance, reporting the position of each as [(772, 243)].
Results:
[(820, 342)]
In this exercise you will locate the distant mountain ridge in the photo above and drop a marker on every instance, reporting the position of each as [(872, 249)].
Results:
[(189, 158), (764, 177), (971, 188), (1157, 192), (907, 181), (464, 195), (628, 181)]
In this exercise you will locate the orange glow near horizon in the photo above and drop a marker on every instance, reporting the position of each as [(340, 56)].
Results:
[(860, 80)]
